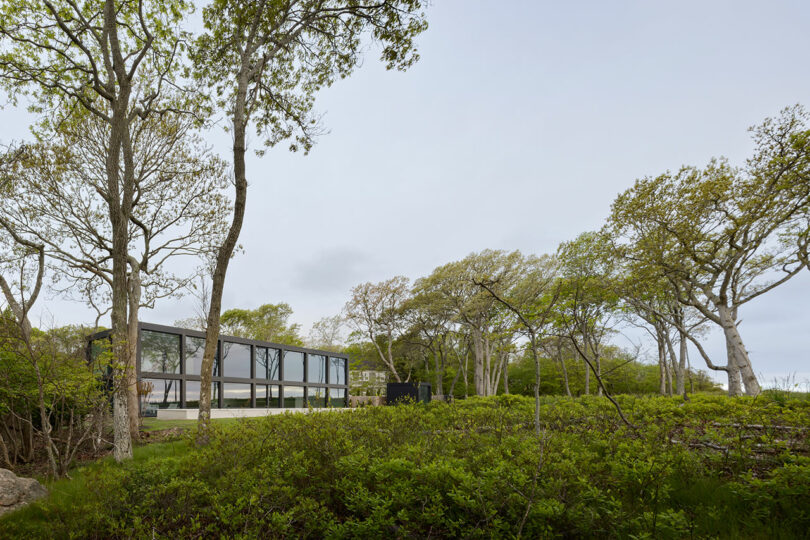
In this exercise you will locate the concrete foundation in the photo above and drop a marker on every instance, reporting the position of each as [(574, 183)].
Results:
[(191, 414)]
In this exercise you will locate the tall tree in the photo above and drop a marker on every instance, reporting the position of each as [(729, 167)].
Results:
[(265, 61), (531, 299), (432, 322), (453, 288), (375, 310), (586, 311), (59, 193), (718, 234), (113, 59)]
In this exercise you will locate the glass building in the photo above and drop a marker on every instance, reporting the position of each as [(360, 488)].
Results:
[(247, 373)]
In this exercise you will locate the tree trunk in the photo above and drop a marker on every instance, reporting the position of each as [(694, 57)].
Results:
[(438, 360), (564, 369), (466, 382), (478, 351), (132, 331), (672, 365), (45, 418), (587, 381), (533, 344), (455, 378), (122, 443), (682, 365), (487, 367), (506, 377), (4, 453), (223, 258), (737, 355), (598, 361), (662, 363)]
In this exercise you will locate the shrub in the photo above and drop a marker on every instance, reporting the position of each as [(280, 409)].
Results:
[(712, 466)]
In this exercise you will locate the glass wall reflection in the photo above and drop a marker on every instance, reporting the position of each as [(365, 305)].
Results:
[(194, 354), (267, 363), (235, 396), (293, 366), (158, 394), (294, 396), (316, 368), (160, 352), (235, 360), (316, 397), (268, 396), (337, 370), (337, 397), (193, 395)]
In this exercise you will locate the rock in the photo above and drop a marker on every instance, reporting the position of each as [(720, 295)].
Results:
[(16, 492)]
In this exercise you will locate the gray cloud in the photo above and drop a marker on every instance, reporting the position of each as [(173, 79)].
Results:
[(331, 271)]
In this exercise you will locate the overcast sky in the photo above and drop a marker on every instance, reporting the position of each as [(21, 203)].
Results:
[(516, 130)]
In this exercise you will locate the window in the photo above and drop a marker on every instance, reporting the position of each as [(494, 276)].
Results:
[(100, 357), (158, 394), (267, 396), (337, 397), (337, 370), (294, 397), (316, 368), (160, 352), (235, 360), (293, 366), (236, 396), (193, 394), (267, 364), (194, 355), (316, 397)]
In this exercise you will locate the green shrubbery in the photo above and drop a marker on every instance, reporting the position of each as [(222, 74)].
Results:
[(711, 466)]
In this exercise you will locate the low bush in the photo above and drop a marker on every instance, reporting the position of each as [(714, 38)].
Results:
[(711, 466)]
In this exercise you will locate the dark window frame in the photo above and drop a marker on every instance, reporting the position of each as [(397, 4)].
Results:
[(183, 377)]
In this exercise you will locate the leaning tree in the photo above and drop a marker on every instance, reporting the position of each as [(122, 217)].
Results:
[(723, 235), (265, 62)]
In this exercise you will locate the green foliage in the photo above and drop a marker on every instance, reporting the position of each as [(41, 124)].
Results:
[(57, 50), (268, 322), (279, 54), (622, 374), (474, 469)]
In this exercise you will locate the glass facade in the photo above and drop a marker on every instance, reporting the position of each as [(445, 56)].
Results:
[(235, 360), (193, 395), (316, 368), (316, 397), (236, 396), (268, 365), (195, 346), (160, 352), (293, 366), (157, 394), (294, 397), (268, 396), (337, 370), (247, 374), (100, 357), (337, 397)]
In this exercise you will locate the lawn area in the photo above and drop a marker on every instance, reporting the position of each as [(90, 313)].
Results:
[(708, 467), (157, 424)]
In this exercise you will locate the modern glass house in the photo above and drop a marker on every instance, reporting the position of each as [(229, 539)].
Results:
[(248, 374)]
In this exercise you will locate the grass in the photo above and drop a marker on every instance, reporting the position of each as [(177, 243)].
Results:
[(156, 424), (67, 492)]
